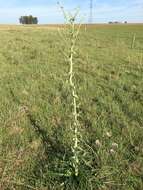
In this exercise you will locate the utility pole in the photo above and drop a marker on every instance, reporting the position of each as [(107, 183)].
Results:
[(91, 11)]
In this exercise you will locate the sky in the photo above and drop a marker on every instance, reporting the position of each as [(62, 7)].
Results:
[(48, 11)]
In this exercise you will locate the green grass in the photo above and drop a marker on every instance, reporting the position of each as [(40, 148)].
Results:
[(35, 146)]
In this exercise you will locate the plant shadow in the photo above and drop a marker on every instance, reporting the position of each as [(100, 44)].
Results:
[(52, 161)]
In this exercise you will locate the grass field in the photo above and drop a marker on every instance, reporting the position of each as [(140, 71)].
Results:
[(35, 108)]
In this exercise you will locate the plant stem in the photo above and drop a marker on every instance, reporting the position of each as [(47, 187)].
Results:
[(75, 97)]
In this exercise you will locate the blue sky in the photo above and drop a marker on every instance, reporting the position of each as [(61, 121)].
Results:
[(48, 12)]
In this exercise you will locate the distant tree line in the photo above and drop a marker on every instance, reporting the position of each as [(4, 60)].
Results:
[(28, 20), (116, 22)]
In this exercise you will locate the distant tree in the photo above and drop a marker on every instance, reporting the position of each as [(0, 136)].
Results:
[(126, 22), (35, 20), (28, 20)]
